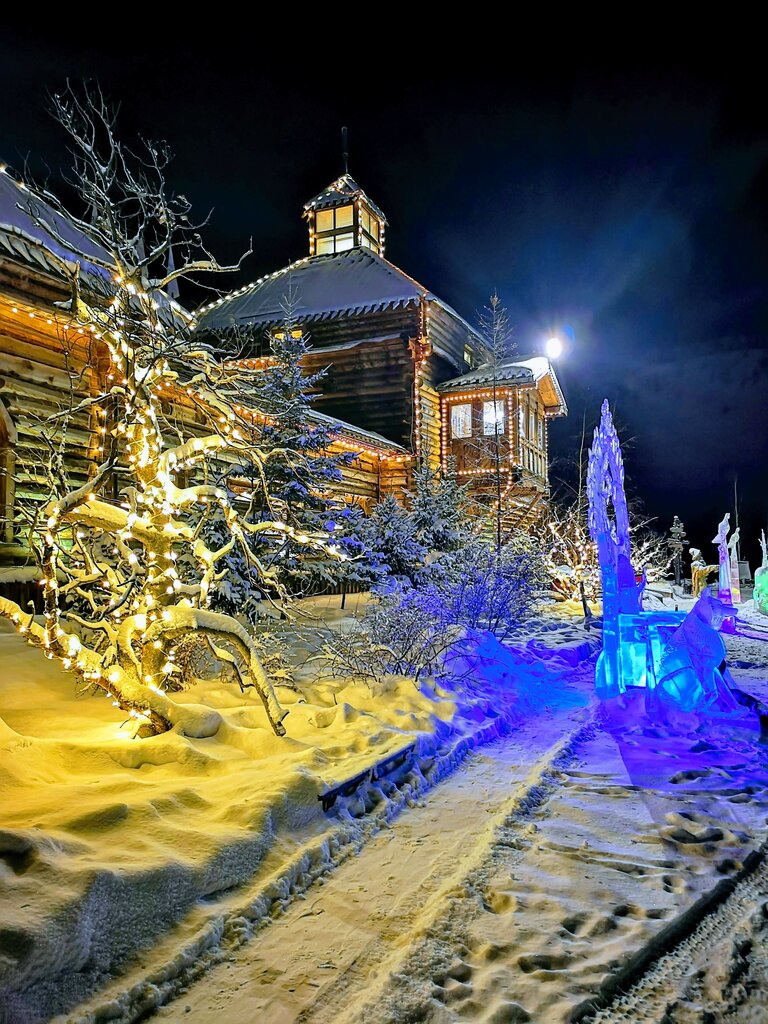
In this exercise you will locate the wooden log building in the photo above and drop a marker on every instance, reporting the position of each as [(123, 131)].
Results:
[(44, 357), (399, 360)]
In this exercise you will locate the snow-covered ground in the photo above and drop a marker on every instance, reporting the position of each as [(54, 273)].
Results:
[(566, 841), (111, 845), (522, 884), (642, 824)]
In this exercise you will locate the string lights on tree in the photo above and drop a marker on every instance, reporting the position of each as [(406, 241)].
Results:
[(127, 623)]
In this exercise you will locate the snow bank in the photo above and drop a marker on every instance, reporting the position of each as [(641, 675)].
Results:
[(109, 844)]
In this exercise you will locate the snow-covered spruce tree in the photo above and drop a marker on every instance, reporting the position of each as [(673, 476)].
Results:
[(439, 507), (298, 472), (142, 627), (390, 536)]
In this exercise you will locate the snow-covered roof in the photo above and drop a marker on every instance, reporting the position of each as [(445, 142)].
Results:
[(343, 189), (529, 370), (23, 212), (350, 430), (351, 282)]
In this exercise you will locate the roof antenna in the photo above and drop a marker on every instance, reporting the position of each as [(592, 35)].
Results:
[(345, 150)]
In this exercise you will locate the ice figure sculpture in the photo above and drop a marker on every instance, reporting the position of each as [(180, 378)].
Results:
[(724, 557), (733, 554), (678, 658), (623, 659), (727, 589), (691, 673), (760, 594)]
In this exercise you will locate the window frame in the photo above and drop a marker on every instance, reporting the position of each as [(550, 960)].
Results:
[(498, 424), (369, 238), (467, 418), (327, 239)]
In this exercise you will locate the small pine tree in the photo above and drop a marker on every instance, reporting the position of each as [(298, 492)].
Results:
[(439, 507), (390, 534), (297, 473)]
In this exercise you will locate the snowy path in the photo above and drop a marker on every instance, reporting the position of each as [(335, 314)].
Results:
[(512, 892), (324, 951)]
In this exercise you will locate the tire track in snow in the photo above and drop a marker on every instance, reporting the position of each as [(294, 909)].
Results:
[(431, 944), (715, 969), (560, 896)]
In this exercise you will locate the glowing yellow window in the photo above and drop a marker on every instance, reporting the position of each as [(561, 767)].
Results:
[(344, 217), (324, 220)]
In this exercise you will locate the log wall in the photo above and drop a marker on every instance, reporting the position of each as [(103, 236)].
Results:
[(40, 363), (370, 385)]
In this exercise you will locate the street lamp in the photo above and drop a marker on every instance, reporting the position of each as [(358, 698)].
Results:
[(554, 347)]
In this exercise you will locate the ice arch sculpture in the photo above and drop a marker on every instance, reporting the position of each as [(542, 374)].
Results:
[(678, 658)]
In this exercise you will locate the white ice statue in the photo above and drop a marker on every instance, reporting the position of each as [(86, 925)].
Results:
[(733, 549), (721, 539)]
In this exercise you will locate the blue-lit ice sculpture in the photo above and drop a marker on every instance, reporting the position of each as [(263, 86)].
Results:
[(691, 673), (675, 656)]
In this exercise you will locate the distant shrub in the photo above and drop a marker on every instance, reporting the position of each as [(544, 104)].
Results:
[(480, 588), (408, 630)]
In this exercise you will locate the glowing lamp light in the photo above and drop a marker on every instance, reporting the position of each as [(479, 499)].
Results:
[(554, 347)]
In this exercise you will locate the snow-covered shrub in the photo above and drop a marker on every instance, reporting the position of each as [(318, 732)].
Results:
[(400, 633), (481, 588), (274, 653), (408, 630)]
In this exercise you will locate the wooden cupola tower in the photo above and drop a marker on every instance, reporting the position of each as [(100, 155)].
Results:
[(343, 217)]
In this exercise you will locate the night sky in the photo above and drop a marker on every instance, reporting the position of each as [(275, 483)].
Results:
[(624, 206)]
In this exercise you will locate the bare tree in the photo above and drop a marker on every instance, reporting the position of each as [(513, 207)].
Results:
[(570, 552), (119, 610), (498, 346)]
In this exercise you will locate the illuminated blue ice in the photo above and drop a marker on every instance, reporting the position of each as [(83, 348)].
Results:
[(679, 659)]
